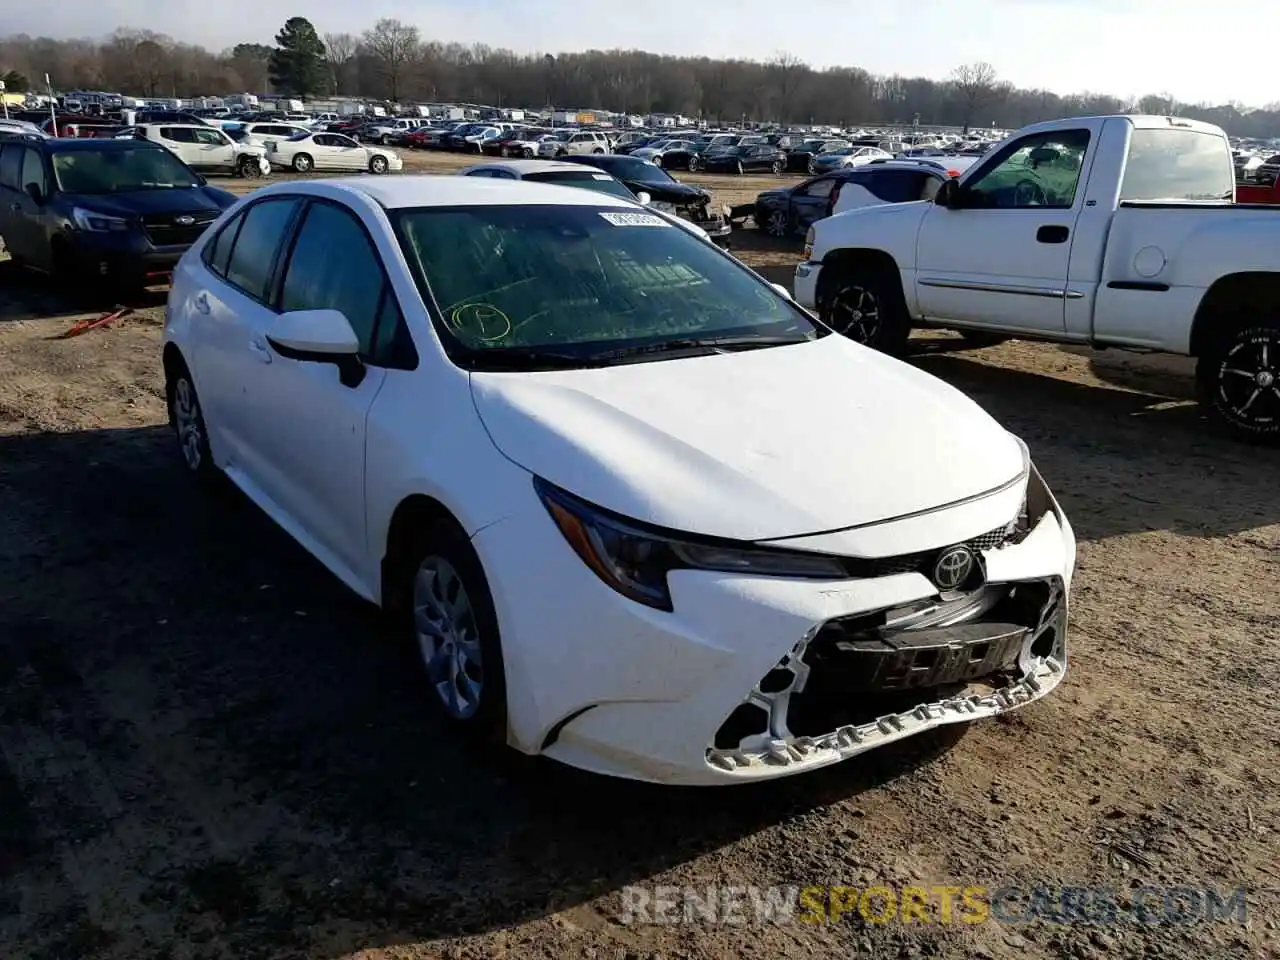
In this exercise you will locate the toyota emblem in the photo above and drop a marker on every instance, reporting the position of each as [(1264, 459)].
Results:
[(953, 567), (184, 220)]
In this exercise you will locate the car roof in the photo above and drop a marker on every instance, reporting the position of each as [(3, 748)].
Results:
[(97, 144), (443, 190), (525, 167), (937, 164)]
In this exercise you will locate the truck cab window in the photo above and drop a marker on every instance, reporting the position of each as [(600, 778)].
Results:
[(1177, 165), (1039, 171)]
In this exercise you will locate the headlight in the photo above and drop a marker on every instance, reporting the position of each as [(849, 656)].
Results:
[(808, 248), (1036, 502), (98, 222), (635, 560)]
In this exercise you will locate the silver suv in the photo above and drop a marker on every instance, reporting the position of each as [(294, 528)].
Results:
[(576, 141)]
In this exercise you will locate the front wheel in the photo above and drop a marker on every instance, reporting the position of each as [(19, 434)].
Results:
[(778, 167), (693, 163), (865, 304), (302, 163), (443, 598), (1239, 382), (378, 164), (777, 224), (250, 169)]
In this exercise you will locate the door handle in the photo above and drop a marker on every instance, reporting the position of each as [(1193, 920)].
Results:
[(260, 350), (1052, 233), (202, 302)]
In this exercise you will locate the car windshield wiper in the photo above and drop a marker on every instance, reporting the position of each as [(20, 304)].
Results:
[(531, 358), (726, 344)]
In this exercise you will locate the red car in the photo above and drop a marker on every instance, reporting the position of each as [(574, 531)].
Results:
[(1258, 193)]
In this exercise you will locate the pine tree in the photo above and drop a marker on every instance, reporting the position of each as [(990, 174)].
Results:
[(298, 62)]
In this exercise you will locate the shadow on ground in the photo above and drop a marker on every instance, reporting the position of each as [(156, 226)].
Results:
[(28, 295), (201, 731)]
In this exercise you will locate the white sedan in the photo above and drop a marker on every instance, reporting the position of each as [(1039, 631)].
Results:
[(321, 150), (632, 507)]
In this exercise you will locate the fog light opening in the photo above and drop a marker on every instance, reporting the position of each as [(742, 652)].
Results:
[(1045, 643)]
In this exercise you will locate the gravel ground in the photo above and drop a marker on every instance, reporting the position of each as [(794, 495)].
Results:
[(207, 752)]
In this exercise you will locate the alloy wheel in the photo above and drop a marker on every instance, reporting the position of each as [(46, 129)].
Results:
[(444, 625), (1248, 381), (855, 313), (776, 225), (188, 424)]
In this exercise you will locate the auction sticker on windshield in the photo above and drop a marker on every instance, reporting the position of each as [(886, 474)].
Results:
[(634, 220)]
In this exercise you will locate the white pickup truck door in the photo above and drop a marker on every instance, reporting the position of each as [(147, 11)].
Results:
[(1001, 259)]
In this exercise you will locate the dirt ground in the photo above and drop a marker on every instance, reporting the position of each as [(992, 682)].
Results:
[(205, 752)]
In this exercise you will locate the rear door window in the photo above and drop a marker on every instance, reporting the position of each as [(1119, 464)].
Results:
[(11, 166), (257, 245)]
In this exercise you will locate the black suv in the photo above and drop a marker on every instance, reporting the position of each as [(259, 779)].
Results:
[(119, 211)]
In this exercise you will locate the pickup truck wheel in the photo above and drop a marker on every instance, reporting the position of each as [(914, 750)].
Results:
[(865, 304), (1239, 382)]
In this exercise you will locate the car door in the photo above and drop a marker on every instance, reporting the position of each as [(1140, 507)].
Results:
[(10, 184), (25, 224), (317, 423), (809, 201), (345, 153), (215, 150), (231, 296), (1001, 258), (181, 141)]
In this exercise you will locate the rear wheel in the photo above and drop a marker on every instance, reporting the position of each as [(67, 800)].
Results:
[(693, 163), (302, 163), (1239, 381), (777, 223), (187, 419), (864, 303), (778, 167)]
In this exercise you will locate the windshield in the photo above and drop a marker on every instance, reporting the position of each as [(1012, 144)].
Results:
[(579, 280), (116, 171), (642, 171), (599, 182), (237, 134)]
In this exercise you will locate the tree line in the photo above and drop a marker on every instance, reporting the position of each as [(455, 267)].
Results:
[(393, 61)]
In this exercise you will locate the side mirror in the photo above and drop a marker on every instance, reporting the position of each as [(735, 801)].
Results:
[(948, 194), (643, 197), (35, 193), (781, 290), (319, 336)]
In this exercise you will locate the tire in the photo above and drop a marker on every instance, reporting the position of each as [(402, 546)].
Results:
[(186, 417), (779, 167), (597, 150), (1238, 381), (385, 140), (302, 163), (439, 599), (528, 154), (737, 168), (865, 304), (693, 163), (378, 164), (813, 167), (249, 169), (777, 224)]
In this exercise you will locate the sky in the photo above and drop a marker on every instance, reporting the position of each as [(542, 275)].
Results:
[(1123, 47)]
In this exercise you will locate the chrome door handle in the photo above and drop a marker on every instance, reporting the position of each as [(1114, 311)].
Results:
[(202, 302)]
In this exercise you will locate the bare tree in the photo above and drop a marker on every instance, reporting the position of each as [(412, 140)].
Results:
[(976, 87), (340, 50), (786, 73), (394, 45)]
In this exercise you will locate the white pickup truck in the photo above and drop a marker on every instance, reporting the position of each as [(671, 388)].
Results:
[(1105, 231)]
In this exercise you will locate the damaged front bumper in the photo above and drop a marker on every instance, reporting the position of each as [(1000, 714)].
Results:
[(750, 677)]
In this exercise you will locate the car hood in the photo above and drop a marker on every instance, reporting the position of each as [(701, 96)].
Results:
[(137, 203), (771, 443)]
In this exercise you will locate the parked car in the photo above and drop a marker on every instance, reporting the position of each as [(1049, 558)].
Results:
[(309, 151), (564, 174), (573, 142), (672, 154), (787, 211), (1109, 231), (846, 157), (666, 193), (600, 462), (800, 157), (761, 158), (264, 134), (896, 181), (115, 212), (1245, 192), (1267, 172), (207, 150)]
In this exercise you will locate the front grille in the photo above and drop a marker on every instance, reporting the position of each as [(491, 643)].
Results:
[(921, 562), (163, 230)]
